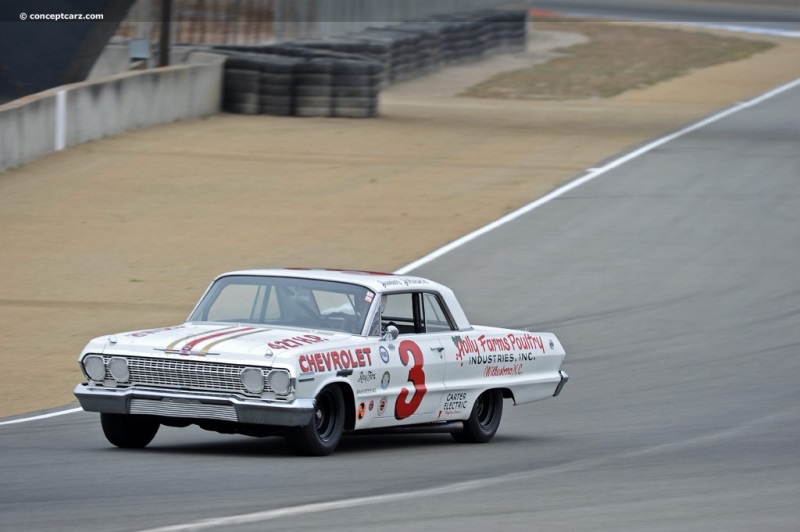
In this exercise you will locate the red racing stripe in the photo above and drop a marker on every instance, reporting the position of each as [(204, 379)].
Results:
[(193, 343)]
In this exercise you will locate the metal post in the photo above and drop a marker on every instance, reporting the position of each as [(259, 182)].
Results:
[(166, 33)]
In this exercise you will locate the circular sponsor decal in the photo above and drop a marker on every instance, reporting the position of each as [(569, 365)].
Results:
[(362, 409), (384, 354), (382, 405), (385, 380), (371, 405)]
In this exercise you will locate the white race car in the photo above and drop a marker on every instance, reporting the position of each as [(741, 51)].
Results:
[(310, 354)]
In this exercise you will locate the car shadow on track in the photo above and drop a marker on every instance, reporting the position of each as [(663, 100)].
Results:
[(351, 444)]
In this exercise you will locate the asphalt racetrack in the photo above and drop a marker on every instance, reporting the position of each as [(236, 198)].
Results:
[(671, 279)]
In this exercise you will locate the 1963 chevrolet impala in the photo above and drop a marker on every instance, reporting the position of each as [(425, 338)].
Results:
[(310, 354)]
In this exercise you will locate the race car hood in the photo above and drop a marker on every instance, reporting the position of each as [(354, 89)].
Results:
[(229, 342)]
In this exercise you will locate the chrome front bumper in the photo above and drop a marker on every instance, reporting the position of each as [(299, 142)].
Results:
[(172, 403)]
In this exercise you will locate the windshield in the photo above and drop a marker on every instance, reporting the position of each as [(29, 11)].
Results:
[(286, 302)]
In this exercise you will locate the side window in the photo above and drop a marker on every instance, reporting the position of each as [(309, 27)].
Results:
[(415, 312), (436, 319), (398, 309)]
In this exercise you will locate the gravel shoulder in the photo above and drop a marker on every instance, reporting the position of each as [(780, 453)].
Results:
[(126, 232)]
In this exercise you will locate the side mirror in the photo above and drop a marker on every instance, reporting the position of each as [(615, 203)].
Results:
[(390, 333)]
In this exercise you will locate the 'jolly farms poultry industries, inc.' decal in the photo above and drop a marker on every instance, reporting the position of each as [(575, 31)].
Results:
[(499, 355)]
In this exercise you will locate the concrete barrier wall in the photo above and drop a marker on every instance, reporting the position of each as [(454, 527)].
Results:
[(65, 116), (27, 128)]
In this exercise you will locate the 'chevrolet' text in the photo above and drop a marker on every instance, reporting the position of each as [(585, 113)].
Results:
[(336, 360)]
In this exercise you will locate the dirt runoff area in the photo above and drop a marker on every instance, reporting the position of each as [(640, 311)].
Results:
[(126, 232)]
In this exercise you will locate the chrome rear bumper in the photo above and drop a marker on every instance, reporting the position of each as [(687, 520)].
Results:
[(564, 379)]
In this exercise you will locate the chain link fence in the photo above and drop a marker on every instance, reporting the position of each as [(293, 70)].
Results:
[(236, 22)]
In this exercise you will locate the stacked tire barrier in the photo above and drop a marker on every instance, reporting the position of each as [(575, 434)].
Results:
[(277, 86), (259, 84), (356, 87), (241, 86), (291, 80), (342, 76)]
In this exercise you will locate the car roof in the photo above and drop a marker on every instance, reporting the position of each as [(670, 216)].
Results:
[(376, 281)]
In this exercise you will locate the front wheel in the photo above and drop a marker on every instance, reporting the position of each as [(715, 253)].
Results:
[(484, 419), (129, 431), (322, 435)]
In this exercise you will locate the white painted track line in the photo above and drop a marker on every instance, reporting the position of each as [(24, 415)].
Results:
[(593, 173), (41, 416)]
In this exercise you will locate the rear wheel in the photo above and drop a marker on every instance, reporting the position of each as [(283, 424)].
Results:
[(322, 435), (484, 419), (129, 431)]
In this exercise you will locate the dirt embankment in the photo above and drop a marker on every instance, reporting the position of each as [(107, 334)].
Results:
[(126, 232)]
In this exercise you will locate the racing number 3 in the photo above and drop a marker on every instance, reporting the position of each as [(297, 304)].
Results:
[(416, 376)]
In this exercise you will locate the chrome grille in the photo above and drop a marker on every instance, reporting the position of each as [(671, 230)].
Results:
[(176, 409), (186, 374)]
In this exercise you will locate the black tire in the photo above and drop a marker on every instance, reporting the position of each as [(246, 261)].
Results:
[(313, 79), (313, 90), (241, 108), (241, 74), (372, 80), (238, 62), (276, 90), (322, 435), (270, 100), (356, 68), (129, 431), (269, 78), (238, 85), (313, 112), (355, 103), (483, 420), (276, 110), (355, 92), (324, 102), (355, 112), (240, 97)]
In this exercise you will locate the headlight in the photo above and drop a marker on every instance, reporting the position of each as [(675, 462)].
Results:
[(118, 367), (252, 380), (95, 367), (280, 381)]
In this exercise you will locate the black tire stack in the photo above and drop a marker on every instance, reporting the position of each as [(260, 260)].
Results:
[(313, 88), (334, 83), (462, 40), (514, 32), (342, 77), (277, 88), (409, 52), (356, 86), (429, 49), (378, 52), (258, 84), (241, 86), (494, 22), (394, 51)]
